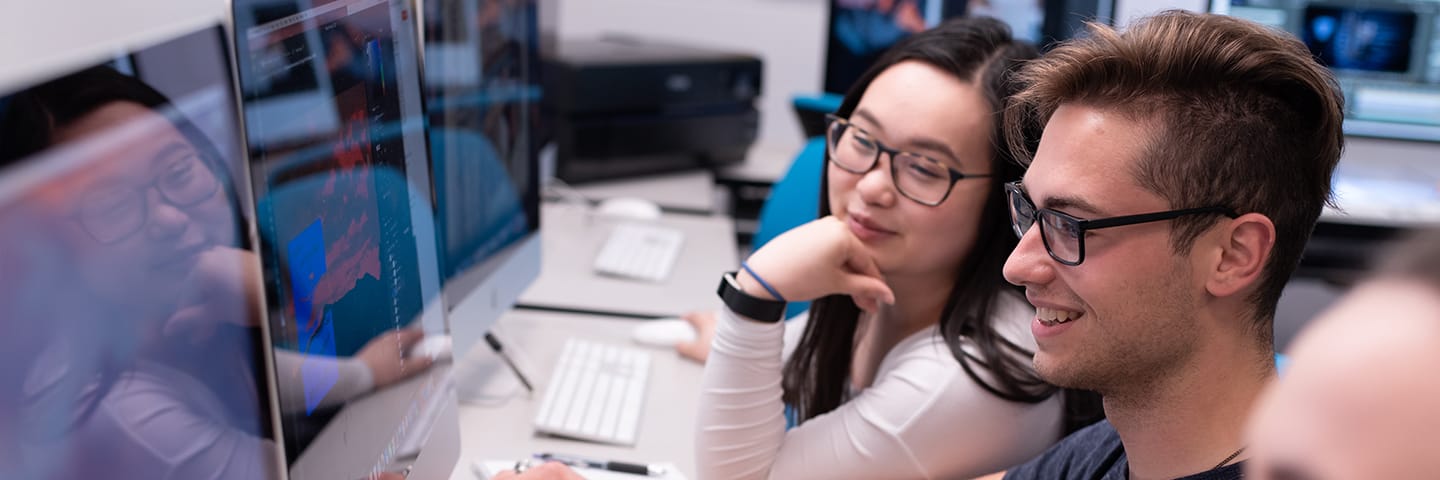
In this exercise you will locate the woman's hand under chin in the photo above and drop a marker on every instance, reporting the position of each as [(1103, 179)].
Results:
[(222, 288), (817, 259)]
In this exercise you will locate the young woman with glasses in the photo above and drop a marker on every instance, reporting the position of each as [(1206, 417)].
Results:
[(914, 361)]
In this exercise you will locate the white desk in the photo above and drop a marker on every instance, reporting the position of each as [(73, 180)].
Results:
[(1387, 183), (498, 425), (765, 164), (570, 237)]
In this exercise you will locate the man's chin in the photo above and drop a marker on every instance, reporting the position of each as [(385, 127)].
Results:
[(1054, 372)]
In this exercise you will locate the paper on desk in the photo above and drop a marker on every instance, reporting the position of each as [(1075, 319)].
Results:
[(489, 468)]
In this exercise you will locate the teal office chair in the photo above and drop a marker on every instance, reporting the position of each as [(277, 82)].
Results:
[(793, 201)]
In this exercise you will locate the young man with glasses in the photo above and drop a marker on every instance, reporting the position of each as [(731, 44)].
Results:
[(1182, 166)]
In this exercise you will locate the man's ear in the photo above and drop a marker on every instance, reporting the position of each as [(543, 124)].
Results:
[(1245, 244)]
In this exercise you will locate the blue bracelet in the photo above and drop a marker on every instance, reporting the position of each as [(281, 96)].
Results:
[(767, 286)]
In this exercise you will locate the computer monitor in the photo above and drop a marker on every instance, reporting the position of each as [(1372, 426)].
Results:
[(333, 106), (861, 30), (481, 70), (1386, 55), (131, 318)]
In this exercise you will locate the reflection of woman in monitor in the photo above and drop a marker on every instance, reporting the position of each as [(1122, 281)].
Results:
[(146, 365)]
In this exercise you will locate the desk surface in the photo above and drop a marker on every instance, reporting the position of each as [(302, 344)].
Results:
[(497, 425), (1387, 183), (764, 164), (692, 191), (570, 237)]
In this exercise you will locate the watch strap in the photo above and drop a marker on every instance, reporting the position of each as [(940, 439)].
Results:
[(748, 306)]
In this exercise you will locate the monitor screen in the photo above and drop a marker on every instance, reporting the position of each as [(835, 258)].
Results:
[(334, 117), (481, 64), (1359, 38), (1386, 56), (129, 298), (860, 30), (483, 93)]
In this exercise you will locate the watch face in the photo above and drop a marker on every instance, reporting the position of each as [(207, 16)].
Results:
[(748, 306)]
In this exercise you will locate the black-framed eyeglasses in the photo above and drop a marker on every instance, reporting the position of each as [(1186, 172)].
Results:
[(1064, 235), (112, 215), (925, 180)]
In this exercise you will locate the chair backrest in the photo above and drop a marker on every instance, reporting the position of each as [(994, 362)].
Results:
[(793, 201)]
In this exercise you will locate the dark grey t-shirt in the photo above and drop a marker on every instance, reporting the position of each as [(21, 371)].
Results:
[(1095, 453)]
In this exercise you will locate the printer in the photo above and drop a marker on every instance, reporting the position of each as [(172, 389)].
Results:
[(622, 106)]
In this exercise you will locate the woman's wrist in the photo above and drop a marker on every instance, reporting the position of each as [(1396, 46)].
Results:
[(751, 286)]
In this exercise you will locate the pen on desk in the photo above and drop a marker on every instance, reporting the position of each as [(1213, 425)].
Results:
[(500, 350), (624, 467)]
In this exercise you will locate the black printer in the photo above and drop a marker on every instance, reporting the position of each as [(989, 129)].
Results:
[(623, 107)]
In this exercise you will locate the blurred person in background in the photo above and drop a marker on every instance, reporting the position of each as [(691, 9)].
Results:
[(1358, 400)]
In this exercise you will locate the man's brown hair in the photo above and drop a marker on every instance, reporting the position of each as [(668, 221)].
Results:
[(1242, 116)]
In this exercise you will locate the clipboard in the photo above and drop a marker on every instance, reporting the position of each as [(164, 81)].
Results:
[(485, 469)]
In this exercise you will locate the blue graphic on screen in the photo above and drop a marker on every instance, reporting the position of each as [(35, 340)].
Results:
[(375, 56), (306, 256), (1360, 39)]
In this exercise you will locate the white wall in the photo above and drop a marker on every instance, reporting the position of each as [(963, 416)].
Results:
[(1127, 10), (787, 35)]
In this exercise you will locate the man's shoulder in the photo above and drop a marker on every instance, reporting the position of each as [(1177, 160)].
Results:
[(1089, 453)]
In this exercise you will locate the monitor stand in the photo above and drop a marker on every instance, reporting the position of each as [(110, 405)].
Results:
[(482, 377)]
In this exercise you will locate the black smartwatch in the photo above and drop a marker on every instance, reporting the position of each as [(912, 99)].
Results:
[(769, 311)]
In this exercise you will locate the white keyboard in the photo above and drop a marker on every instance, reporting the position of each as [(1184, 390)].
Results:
[(595, 393), (643, 252)]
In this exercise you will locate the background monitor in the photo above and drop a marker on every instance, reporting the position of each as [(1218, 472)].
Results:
[(1359, 38), (128, 300), (334, 115), (1385, 54), (483, 87), (860, 30)]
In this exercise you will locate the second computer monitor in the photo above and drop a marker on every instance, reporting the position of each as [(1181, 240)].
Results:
[(1385, 55), (334, 116), (481, 59)]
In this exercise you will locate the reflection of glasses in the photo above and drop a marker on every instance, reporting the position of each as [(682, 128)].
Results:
[(918, 177), (1064, 235), (114, 214)]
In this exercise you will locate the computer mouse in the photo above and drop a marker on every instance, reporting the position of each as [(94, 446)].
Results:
[(663, 333), (437, 347), (629, 208)]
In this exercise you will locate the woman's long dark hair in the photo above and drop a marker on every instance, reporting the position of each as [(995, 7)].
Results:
[(979, 50)]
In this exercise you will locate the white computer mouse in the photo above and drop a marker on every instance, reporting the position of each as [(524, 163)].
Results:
[(437, 347), (663, 333), (628, 208)]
